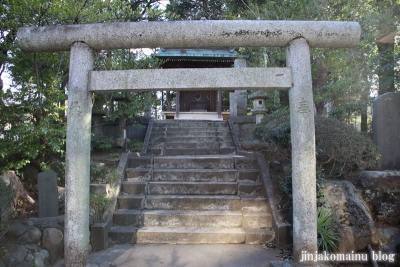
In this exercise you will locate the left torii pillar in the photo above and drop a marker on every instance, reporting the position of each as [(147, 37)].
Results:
[(77, 183)]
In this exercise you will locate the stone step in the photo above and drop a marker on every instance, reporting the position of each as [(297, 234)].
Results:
[(188, 130), (123, 234), (193, 202), (189, 123), (204, 162), (155, 135), (181, 188), (191, 139), (196, 175), (179, 218), (195, 162), (139, 162), (190, 235), (192, 145), (190, 151), (192, 175), (192, 188)]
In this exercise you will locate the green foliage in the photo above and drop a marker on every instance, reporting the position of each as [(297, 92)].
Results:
[(136, 145), (285, 185), (114, 155), (327, 237), (32, 120), (340, 148), (96, 174), (111, 177), (275, 128), (124, 105), (103, 142), (99, 203)]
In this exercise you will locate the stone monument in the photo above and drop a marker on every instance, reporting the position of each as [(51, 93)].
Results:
[(386, 129), (48, 194)]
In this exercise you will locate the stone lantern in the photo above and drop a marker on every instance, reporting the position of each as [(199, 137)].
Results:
[(259, 109)]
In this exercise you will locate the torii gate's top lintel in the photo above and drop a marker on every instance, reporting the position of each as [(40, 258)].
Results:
[(250, 33)]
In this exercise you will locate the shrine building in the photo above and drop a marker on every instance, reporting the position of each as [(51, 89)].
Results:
[(198, 105)]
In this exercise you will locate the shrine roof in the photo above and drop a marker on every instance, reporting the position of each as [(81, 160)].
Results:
[(209, 52)]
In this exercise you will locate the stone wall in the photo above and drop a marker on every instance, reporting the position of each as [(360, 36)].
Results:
[(38, 242)]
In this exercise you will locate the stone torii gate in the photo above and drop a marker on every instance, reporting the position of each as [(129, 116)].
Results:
[(83, 40)]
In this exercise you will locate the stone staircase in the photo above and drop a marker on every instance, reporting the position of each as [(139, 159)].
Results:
[(192, 190), (172, 137)]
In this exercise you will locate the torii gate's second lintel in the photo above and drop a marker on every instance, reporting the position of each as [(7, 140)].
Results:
[(81, 40)]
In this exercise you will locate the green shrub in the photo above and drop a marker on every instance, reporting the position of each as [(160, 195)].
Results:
[(99, 203), (103, 142), (327, 237), (96, 174), (275, 128), (339, 147), (111, 177)]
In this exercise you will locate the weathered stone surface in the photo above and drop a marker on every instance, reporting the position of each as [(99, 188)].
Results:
[(122, 142), (195, 175), (29, 257), (32, 235), (99, 236), (303, 148), (99, 189), (192, 218), (32, 247), (126, 217), (381, 191), (193, 188), (123, 234), (53, 241), (388, 239), (16, 230), (260, 219), (387, 181), (18, 255), (135, 187), (241, 95), (48, 194), (2, 264), (354, 221), (254, 145), (43, 223), (192, 80), (194, 202), (42, 258), (189, 235), (257, 236), (251, 189), (180, 34), (194, 162), (77, 157), (386, 129)]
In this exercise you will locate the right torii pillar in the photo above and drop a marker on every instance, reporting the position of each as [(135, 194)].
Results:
[(302, 129)]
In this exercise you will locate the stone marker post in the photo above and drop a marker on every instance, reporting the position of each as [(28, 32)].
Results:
[(303, 149), (77, 171), (47, 194), (386, 129), (240, 95)]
